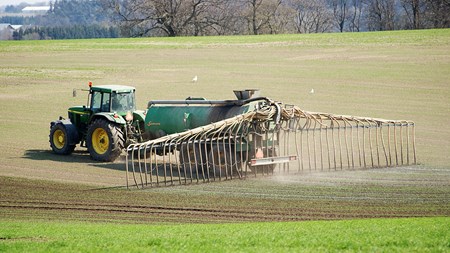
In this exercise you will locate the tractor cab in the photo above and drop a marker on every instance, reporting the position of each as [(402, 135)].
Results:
[(106, 101), (112, 98)]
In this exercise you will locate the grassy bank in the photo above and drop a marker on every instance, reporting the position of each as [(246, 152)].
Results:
[(380, 235)]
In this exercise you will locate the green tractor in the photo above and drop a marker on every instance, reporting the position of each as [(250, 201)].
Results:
[(105, 126), (109, 123)]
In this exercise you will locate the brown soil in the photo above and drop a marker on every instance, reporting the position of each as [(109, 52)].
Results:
[(399, 192)]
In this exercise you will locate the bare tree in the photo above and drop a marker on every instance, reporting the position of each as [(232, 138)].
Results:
[(355, 15), (171, 17), (381, 14), (283, 20), (259, 13), (437, 13), (312, 16), (224, 18), (340, 13), (414, 10)]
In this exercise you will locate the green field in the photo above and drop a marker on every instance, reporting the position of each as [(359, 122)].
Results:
[(392, 75), (374, 235)]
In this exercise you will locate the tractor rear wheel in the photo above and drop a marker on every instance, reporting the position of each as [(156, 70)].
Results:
[(59, 140), (104, 140)]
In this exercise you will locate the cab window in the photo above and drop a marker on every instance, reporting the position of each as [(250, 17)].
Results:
[(100, 101), (122, 102)]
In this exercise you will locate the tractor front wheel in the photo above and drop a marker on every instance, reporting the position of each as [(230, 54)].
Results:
[(59, 140), (104, 140)]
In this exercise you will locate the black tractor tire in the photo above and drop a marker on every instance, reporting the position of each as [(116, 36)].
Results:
[(59, 139), (104, 140)]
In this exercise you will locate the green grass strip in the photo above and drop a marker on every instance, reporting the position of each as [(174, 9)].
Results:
[(410, 38), (371, 235)]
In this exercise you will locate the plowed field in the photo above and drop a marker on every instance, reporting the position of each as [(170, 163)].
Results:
[(400, 192)]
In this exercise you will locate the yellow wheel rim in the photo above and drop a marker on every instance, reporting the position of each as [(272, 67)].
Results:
[(59, 139), (100, 141)]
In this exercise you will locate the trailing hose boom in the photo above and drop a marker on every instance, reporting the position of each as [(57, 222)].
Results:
[(260, 136)]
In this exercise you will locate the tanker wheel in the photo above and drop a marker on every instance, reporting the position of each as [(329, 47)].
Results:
[(59, 141), (223, 162), (104, 140), (191, 157)]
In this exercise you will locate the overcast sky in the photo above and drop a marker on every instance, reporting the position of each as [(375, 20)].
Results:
[(16, 2)]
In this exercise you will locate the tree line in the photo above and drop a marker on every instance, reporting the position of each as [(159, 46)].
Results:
[(66, 19), (224, 17), (136, 18), (69, 32)]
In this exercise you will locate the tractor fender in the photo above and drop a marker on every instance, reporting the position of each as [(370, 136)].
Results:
[(139, 115), (109, 117), (74, 137)]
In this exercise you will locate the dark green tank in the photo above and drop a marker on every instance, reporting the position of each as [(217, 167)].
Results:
[(168, 117)]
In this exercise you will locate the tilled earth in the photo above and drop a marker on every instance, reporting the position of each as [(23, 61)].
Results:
[(390, 192)]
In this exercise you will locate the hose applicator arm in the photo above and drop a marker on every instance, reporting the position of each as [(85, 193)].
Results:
[(278, 113), (270, 102)]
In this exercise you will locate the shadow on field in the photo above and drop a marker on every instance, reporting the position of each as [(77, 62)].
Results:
[(42, 155), (117, 165), (78, 156)]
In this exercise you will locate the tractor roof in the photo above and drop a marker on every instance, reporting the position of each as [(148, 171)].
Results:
[(113, 88)]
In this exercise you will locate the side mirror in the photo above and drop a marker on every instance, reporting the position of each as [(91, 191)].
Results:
[(74, 93)]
